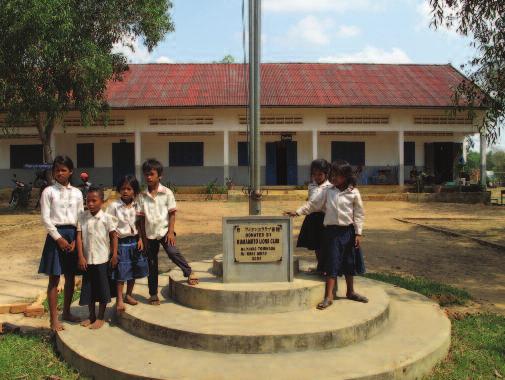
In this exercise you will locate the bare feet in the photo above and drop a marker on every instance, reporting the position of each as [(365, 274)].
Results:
[(70, 318), (154, 300), (97, 324), (130, 300), (192, 279), (56, 326), (87, 322), (120, 308)]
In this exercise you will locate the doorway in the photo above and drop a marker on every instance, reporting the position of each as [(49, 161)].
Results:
[(123, 160), (281, 163), (440, 160)]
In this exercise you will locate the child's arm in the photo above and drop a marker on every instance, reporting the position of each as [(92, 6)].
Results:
[(313, 205), (83, 264), (141, 227), (113, 248), (170, 238), (358, 217)]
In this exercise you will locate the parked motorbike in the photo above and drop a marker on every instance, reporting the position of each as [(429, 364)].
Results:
[(21, 194)]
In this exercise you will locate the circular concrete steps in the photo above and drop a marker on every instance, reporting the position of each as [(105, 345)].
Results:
[(415, 337), (256, 298), (310, 329)]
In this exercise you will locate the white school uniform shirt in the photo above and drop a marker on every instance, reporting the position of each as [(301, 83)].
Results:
[(341, 208), (156, 210), (95, 231), (126, 217), (315, 189), (59, 206)]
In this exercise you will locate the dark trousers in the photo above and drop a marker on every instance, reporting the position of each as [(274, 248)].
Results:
[(153, 247)]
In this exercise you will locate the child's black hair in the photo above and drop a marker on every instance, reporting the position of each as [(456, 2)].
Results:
[(64, 161), (346, 171), (320, 165), (152, 164), (130, 180), (98, 190)]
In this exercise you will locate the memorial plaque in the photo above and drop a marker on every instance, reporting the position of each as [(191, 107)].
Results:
[(257, 243), (257, 249)]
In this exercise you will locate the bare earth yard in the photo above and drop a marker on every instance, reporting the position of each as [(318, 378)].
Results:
[(390, 246)]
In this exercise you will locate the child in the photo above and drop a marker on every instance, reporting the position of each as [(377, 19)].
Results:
[(60, 205), (96, 239), (131, 263), (311, 232), (343, 223), (157, 209)]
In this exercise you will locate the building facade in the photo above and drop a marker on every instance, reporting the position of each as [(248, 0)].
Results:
[(383, 119)]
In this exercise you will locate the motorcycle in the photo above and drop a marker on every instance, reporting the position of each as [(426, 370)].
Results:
[(21, 194)]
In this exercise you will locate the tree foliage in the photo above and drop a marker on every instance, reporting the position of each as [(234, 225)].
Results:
[(56, 55), (484, 22)]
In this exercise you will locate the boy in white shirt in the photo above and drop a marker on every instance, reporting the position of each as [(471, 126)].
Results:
[(96, 239), (157, 209)]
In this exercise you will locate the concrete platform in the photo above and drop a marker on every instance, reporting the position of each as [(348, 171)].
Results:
[(414, 339), (311, 329), (256, 298)]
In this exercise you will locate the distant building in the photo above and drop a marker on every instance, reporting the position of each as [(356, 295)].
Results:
[(384, 119)]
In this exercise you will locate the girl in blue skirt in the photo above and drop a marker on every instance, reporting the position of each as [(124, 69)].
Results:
[(132, 264), (311, 232), (60, 206), (343, 227)]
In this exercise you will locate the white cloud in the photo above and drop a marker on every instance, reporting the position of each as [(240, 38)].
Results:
[(164, 59), (321, 5), (348, 31), (133, 50), (424, 11), (370, 54)]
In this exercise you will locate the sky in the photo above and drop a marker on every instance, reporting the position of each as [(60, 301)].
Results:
[(379, 31)]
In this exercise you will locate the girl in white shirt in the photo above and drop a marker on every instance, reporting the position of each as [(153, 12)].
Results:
[(60, 205), (132, 264), (311, 232), (343, 226)]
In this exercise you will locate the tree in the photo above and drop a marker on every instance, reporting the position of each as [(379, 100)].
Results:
[(56, 56), (228, 59), (484, 22)]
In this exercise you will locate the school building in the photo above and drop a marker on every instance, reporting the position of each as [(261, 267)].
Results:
[(384, 119)]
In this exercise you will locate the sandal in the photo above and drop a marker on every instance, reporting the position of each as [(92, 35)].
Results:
[(154, 300), (192, 279), (325, 304), (357, 297)]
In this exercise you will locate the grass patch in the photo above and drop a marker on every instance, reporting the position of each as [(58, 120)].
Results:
[(477, 350), (75, 297), (31, 357), (445, 295)]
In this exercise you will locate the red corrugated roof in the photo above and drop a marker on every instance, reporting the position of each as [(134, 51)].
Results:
[(286, 84)]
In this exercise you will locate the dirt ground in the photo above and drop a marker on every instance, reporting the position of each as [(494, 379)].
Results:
[(389, 245)]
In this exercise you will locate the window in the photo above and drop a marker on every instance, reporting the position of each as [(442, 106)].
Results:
[(350, 151), (86, 155), (22, 155), (185, 154), (409, 151), (243, 153)]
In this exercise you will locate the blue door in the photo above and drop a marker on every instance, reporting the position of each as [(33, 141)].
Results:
[(271, 169), (292, 162)]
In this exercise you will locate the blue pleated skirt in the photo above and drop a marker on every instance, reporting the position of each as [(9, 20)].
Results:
[(132, 264), (55, 262), (340, 255)]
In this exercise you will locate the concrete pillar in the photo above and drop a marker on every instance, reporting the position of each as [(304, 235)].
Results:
[(138, 155), (483, 159), (401, 158), (465, 147), (314, 144), (226, 154)]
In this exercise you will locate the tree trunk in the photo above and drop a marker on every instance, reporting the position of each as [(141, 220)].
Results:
[(45, 128)]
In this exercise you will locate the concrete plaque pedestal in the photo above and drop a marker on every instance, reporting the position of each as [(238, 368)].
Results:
[(257, 249)]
